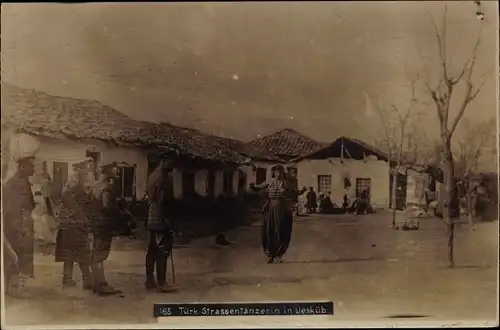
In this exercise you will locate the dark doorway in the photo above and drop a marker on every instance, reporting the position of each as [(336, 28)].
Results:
[(242, 181), (211, 183), (228, 183), (401, 191), (94, 155), (188, 184), (60, 176), (260, 175)]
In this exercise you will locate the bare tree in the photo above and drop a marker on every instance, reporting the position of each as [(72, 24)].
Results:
[(396, 122), (442, 94), (476, 139)]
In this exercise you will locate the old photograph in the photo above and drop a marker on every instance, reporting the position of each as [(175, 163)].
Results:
[(255, 152)]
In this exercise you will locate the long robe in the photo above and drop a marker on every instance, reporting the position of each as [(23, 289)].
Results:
[(18, 204), (278, 217)]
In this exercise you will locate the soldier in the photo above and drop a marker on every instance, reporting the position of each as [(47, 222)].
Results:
[(103, 218), (160, 230), (72, 241)]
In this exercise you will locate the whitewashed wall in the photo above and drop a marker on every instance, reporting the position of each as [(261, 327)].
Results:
[(415, 188), (252, 173), (376, 170), (59, 150)]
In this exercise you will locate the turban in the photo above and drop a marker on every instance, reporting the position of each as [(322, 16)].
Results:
[(23, 146), (20, 146)]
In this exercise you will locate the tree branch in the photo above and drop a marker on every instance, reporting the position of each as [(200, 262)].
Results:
[(469, 97), (441, 43), (471, 58)]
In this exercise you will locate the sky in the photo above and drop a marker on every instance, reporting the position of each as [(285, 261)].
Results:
[(248, 69)]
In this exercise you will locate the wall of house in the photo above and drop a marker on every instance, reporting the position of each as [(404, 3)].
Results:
[(376, 170), (251, 171), (201, 182), (71, 152), (415, 188)]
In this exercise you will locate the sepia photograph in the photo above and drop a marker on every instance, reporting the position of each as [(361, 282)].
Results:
[(249, 165)]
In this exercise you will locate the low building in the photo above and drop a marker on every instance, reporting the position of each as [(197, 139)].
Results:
[(209, 166), (346, 167), (280, 148), (71, 129)]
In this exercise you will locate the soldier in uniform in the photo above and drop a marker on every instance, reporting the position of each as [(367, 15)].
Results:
[(160, 230), (72, 241), (103, 218)]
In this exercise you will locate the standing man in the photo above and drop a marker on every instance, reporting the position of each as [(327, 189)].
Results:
[(312, 201), (160, 229), (18, 225), (104, 216)]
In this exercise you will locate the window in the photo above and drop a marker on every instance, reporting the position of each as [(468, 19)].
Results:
[(152, 165), (324, 183), (228, 182), (126, 181), (60, 176), (92, 154), (361, 184), (260, 175), (188, 183)]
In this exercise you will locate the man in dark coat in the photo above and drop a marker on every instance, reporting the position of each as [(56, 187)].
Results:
[(18, 226), (104, 217), (312, 202)]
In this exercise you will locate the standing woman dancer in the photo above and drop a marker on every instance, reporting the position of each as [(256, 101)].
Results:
[(278, 214)]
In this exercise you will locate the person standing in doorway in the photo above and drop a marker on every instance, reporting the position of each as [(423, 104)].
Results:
[(72, 241), (160, 229), (18, 226), (103, 219)]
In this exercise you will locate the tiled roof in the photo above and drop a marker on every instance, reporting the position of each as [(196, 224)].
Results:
[(352, 148), (287, 143), (41, 114), (249, 150), (38, 113), (195, 143)]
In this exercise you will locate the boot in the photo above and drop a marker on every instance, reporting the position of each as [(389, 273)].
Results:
[(67, 280), (86, 276), (100, 285), (166, 288), (222, 240), (161, 276), (278, 260), (150, 269)]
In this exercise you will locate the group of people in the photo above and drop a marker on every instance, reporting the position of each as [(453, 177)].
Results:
[(89, 215)]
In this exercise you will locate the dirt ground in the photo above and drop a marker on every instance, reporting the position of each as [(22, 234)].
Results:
[(370, 271)]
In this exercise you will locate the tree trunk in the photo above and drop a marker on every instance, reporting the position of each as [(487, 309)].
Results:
[(393, 193), (470, 209), (448, 197)]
